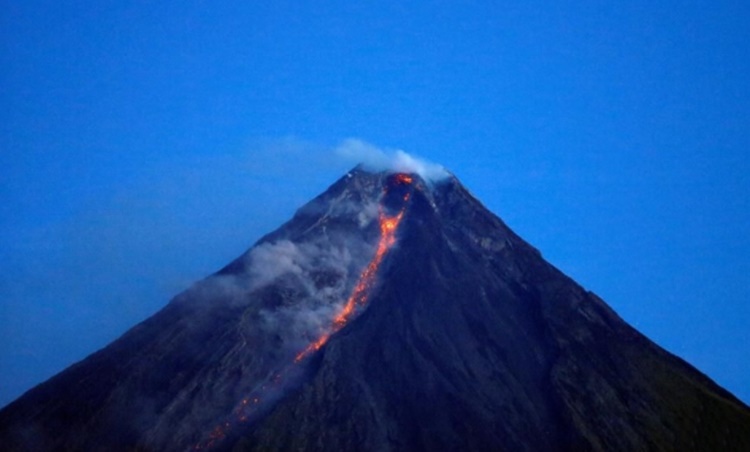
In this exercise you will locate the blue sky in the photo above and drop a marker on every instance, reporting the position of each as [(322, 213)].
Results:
[(145, 145)]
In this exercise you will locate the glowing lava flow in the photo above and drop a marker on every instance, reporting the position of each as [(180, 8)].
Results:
[(249, 406), (361, 292), (388, 226)]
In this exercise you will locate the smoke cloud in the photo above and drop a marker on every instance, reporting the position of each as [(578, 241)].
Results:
[(271, 260), (319, 274), (377, 159), (311, 281), (289, 290)]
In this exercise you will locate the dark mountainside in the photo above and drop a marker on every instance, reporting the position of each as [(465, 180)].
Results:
[(464, 339)]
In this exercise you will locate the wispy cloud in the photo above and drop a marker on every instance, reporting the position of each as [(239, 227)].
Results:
[(379, 159)]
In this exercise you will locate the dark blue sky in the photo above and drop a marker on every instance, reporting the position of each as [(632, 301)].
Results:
[(144, 145)]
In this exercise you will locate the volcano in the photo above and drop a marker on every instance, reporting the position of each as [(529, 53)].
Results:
[(391, 313)]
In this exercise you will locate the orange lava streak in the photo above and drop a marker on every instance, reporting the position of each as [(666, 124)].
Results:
[(403, 178), (388, 226), (250, 405)]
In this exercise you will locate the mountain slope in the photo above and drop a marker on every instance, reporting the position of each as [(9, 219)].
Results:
[(463, 338), (473, 342)]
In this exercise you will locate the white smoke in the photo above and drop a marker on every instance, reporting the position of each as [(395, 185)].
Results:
[(367, 213), (271, 260), (321, 273), (377, 159)]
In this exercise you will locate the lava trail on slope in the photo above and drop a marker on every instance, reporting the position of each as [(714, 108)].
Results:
[(388, 222), (394, 200)]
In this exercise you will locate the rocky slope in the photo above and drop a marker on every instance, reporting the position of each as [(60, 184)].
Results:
[(465, 338)]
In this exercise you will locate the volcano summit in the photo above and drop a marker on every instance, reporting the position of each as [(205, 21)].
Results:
[(390, 313)]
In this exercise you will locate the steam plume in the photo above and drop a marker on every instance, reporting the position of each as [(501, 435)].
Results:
[(396, 160)]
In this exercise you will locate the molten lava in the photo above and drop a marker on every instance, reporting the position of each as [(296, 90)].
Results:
[(403, 178), (361, 292), (358, 299)]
